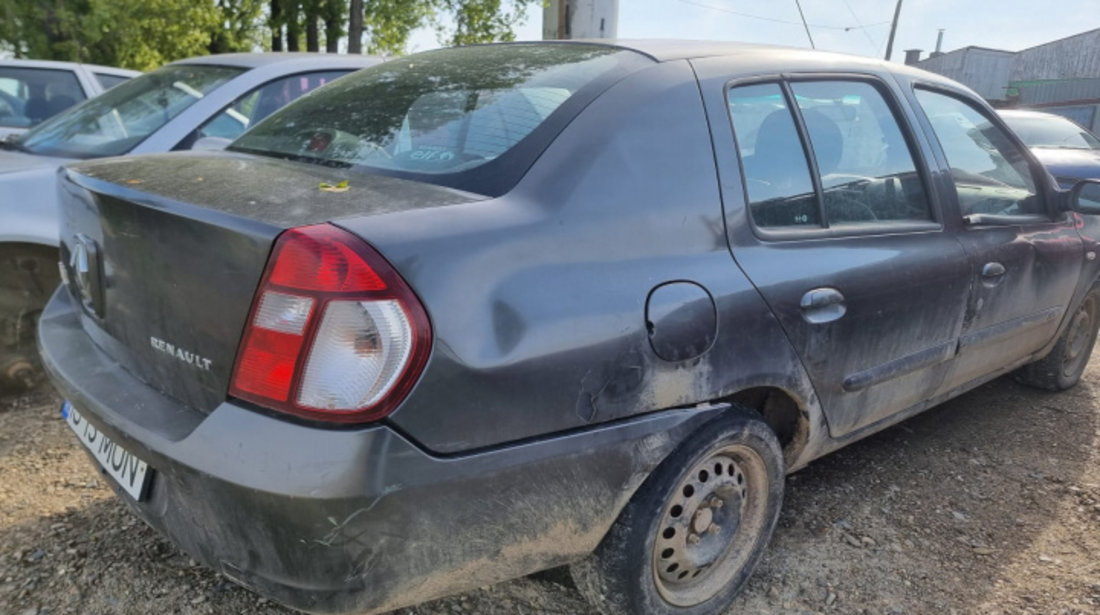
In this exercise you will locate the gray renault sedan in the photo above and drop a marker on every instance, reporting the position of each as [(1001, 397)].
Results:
[(478, 312), (203, 101)]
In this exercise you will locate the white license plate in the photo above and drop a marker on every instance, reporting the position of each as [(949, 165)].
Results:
[(131, 473)]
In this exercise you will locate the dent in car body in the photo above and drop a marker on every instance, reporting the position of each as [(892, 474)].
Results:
[(567, 261)]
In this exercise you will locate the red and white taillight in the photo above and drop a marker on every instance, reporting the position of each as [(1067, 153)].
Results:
[(334, 334)]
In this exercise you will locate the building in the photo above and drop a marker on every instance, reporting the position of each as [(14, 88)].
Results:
[(1061, 76)]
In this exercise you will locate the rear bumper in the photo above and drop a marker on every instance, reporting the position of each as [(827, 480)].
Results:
[(336, 520)]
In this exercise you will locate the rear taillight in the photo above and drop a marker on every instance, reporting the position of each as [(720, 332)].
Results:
[(334, 333)]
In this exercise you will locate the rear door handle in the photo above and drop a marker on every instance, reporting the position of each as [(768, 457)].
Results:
[(822, 305)]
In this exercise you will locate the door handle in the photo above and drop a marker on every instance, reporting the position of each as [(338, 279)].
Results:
[(993, 270), (822, 305)]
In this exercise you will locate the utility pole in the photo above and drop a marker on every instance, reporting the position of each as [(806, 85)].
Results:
[(805, 25), (893, 29)]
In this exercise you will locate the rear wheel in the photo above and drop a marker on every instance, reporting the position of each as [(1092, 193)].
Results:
[(1062, 368), (28, 276), (689, 539)]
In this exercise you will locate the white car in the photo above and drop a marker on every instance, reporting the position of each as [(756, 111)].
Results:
[(32, 91)]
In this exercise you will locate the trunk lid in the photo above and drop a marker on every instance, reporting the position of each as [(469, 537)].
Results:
[(164, 252)]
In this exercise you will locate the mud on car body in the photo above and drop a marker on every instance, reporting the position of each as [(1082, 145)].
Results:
[(478, 312)]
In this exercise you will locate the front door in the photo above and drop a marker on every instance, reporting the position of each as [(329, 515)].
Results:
[(840, 235), (1024, 259)]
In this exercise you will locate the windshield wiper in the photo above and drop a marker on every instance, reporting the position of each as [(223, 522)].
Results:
[(11, 142)]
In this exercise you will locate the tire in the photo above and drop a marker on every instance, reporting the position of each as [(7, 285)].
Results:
[(691, 536), (1062, 368), (28, 276)]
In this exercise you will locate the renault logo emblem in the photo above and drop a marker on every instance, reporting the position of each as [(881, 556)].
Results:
[(83, 264)]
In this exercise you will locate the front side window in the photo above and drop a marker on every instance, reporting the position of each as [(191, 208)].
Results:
[(991, 174), (436, 113), (777, 176), (29, 96), (116, 121)]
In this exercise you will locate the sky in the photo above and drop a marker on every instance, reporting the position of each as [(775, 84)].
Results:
[(1001, 24)]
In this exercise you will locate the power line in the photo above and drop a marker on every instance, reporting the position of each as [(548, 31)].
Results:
[(866, 34), (783, 21), (804, 24)]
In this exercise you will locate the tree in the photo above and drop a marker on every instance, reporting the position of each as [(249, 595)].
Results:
[(311, 13), (332, 14), (145, 34), (355, 26), (292, 13), (241, 26), (388, 23), (140, 34), (480, 21), (275, 22)]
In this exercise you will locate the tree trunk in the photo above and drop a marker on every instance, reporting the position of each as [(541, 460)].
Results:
[(333, 13), (292, 18), (313, 37), (355, 27), (276, 25), (332, 35)]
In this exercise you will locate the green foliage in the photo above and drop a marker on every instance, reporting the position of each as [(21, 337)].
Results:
[(144, 34), (480, 21), (242, 26), (388, 23)]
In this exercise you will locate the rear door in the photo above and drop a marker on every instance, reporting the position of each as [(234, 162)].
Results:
[(1025, 258), (833, 221)]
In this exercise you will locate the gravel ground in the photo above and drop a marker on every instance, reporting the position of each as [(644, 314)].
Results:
[(989, 504)]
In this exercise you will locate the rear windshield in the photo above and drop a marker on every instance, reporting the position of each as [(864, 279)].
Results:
[(1051, 132), (440, 115), (116, 121)]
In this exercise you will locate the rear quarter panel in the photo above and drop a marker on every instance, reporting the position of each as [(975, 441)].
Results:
[(537, 299)]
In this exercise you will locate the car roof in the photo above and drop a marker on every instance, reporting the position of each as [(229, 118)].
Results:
[(57, 64), (305, 59), (795, 58)]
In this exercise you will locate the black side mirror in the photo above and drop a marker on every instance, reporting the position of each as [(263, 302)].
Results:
[(1084, 197)]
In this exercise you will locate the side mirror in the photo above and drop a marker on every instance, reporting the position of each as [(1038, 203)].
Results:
[(211, 144), (1084, 197)]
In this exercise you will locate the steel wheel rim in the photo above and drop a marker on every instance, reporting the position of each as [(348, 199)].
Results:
[(1078, 339), (710, 525)]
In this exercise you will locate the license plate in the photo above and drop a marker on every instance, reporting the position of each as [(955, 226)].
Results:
[(131, 473)]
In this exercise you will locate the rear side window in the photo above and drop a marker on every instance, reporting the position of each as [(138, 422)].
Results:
[(777, 177), (991, 174), (109, 81), (867, 171), (29, 96), (862, 161), (257, 104)]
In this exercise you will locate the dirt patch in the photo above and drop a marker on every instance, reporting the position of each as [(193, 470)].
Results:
[(989, 504)]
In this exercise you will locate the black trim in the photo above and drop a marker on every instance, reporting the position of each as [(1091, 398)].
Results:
[(1009, 327), (900, 367)]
